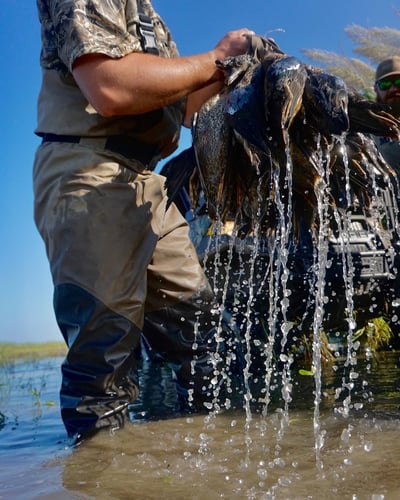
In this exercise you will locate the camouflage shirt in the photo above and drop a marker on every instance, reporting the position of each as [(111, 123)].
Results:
[(72, 28)]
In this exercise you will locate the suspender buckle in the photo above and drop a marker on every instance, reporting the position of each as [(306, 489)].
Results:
[(146, 31)]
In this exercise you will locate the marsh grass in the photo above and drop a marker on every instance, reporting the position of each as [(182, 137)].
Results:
[(30, 384), (10, 352)]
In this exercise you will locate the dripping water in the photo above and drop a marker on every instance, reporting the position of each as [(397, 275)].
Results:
[(275, 281)]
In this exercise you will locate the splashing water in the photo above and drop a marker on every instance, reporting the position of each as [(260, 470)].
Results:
[(253, 280)]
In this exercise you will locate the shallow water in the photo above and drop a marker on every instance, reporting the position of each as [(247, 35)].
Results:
[(204, 456)]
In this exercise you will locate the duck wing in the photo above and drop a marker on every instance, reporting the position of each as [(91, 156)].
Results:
[(371, 117), (326, 103), (362, 165), (178, 171), (243, 98), (284, 84)]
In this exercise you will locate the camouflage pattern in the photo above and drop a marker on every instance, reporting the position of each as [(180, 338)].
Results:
[(72, 28)]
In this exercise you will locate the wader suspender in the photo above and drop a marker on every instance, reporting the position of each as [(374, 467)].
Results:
[(146, 31), (126, 146)]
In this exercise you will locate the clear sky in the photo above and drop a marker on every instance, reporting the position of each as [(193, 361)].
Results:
[(26, 313)]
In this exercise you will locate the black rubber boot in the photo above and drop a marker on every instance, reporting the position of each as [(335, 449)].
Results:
[(99, 379)]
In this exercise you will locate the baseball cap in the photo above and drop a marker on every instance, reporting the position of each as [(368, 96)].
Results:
[(388, 67)]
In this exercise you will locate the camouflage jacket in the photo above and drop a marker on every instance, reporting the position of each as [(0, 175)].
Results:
[(72, 28)]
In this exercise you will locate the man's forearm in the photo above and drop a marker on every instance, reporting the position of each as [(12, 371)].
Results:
[(138, 83)]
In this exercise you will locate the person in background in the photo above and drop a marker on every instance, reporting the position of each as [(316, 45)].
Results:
[(387, 89), (113, 97)]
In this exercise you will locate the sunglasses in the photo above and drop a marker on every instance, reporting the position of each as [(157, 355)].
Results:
[(386, 84)]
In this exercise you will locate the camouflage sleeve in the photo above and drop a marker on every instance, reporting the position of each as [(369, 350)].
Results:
[(79, 27)]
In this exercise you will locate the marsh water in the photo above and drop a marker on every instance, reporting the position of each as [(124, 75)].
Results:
[(205, 456), (292, 426)]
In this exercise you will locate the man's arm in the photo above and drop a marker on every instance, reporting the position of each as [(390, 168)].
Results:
[(138, 82)]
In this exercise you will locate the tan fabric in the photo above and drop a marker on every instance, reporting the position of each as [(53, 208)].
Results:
[(102, 216), (72, 28), (106, 230), (388, 67)]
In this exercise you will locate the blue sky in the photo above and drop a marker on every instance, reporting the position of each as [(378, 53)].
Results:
[(25, 282)]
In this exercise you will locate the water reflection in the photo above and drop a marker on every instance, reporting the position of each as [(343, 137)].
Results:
[(208, 456), (196, 458)]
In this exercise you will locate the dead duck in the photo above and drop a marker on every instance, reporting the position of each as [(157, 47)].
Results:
[(270, 111)]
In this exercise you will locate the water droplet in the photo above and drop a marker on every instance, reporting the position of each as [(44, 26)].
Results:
[(284, 481), (262, 473), (346, 434), (368, 446)]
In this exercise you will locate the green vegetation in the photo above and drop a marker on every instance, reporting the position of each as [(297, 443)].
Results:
[(10, 351), (376, 334)]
